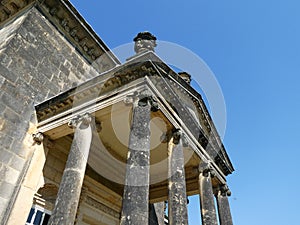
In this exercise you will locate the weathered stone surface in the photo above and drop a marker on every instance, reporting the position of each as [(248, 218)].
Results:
[(223, 207), (208, 209), (36, 62), (6, 190), (177, 202), (156, 213), (2, 207), (66, 204), (136, 190), (144, 41)]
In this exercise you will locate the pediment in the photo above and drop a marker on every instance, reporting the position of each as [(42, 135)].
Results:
[(178, 103)]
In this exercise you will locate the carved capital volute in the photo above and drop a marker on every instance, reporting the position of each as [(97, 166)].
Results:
[(177, 135), (98, 126), (206, 169), (224, 190), (38, 138), (167, 136), (130, 99), (145, 97), (84, 120), (142, 98)]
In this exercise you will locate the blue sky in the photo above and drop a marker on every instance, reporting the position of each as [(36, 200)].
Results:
[(253, 48)]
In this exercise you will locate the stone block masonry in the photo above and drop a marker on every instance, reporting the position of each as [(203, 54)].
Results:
[(36, 63)]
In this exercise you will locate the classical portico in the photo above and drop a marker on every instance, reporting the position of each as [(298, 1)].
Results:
[(131, 137)]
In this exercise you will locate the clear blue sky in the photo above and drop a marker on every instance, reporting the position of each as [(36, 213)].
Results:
[(253, 48)]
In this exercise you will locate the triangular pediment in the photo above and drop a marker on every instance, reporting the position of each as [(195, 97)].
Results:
[(178, 101)]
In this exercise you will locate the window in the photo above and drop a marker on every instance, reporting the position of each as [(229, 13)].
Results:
[(38, 216)]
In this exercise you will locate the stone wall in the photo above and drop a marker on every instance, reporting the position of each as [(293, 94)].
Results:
[(55, 165), (36, 62)]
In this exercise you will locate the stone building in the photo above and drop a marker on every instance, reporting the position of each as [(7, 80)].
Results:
[(88, 140)]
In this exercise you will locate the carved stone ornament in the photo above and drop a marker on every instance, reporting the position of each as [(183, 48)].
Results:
[(185, 76), (38, 138), (206, 169), (166, 136), (224, 190), (81, 119), (177, 135), (144, 41), (144, 98), (98, 126), (131, 98)]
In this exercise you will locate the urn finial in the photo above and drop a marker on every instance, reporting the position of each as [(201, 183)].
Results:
[(144, 41)]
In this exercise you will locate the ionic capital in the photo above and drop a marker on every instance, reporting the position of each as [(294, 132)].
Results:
[(38, 138), (224, 190), (177, 135), (98, 126), (206, 169), (142, 98), (84, 119), (130, 99)]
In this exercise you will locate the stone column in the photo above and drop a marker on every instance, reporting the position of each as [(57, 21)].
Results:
[(223, 205), (157, 213), (66, 204), (208, 209), (136, 190), (177, 202)]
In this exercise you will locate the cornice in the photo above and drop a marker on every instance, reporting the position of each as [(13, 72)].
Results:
[(11, 8), (68, 21), (95, 87)]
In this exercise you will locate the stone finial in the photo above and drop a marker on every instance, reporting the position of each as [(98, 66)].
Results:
[(144, 41), (185, 76)]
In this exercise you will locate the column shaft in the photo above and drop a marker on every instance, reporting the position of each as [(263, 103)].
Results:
[(70, 187), (136, 190), (156, 213), (224, 209), (177, 203), (208, 209)]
